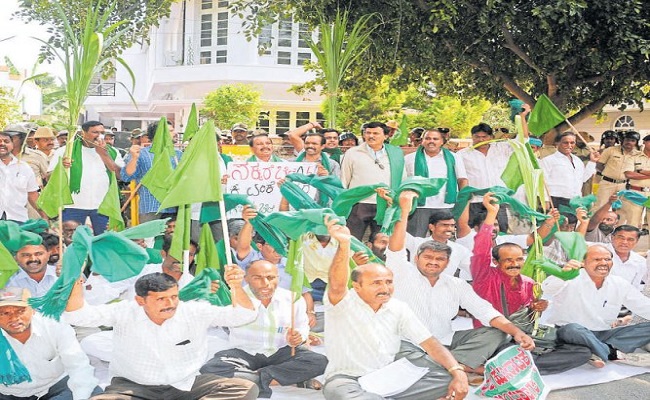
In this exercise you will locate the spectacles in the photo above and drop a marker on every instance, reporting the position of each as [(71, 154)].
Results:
[(380, 165)]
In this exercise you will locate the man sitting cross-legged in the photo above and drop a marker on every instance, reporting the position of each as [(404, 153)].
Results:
[(262, 349), (364, 327), (159, 342), (435, 297)]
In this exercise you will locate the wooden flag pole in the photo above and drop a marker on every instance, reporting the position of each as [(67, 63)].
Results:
[(226, 240), (550, 200), (131, 196), (578, 134)]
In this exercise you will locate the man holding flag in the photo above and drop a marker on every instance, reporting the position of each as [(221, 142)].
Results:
[(262, 349)]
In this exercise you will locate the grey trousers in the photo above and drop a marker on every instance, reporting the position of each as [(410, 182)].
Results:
[(206, 387), (433, 385), (361, 217), (474, 347), (624, 338), (281, 366)]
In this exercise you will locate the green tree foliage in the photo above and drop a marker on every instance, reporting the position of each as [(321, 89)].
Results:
[(141, 16), (459, 115), (582, 54), (231, 104), (9, 108)]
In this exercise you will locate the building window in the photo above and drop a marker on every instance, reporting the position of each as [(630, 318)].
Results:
[(282, 121), (286, 42), (302, 118), (320, 118), (624, 122), (206, 57), (213, 31), (263, 121), (206, 30)]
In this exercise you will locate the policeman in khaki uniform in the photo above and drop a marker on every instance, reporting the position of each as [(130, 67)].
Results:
[(637, 170), (611, 167)]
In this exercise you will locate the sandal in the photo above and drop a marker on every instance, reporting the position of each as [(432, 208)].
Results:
[(312, 384), (596, 361)]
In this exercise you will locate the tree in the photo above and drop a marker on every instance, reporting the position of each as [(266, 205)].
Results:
[(337, 50), (231, 104), (141, 14), (582, 54), (9, 108)]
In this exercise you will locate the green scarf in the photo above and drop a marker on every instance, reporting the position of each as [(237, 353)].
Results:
[(199, 289), (329, 186), (12, 370), (579, 202), (274, 158), (396, 161), (297, 197), (324, 160), (422, 169), (342, 204), (502, 195), (76, 169), (335, 154)]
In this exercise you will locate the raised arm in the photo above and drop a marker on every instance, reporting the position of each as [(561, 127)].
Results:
[(545, 229), (246, 234), (398, 238), (601, 213), (463, 223), (583, 221), (234, 276), (295, 135), (339, 273), (482, 253)]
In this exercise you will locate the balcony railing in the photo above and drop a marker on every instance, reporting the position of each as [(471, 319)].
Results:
[(102, 89)]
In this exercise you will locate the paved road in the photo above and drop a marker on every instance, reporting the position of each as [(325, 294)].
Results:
[(634, 388)]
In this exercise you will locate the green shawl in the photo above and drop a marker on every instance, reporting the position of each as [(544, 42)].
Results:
[(76, 169), (335, 154), (324, 159), (422, 169), (274, 158), (396, 160)]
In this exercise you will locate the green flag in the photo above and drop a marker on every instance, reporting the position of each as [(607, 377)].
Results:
[(401, 137), (8, 265), (56, 192), (207, 256), (181, 236), (296, 268), (192, 125), (197, 178), (544, 117), (199, 289), (111, 206), (156, 179)]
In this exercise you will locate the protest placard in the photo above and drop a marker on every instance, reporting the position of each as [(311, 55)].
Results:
[(258, 180)]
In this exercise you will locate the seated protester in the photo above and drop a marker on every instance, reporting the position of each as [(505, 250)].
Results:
[(160, 343), (602, 223), (246, 255), (98, 290), (48, 349), (435, 298), (509, 291), (442, 228), (318, 251), (51, 243), (262, 148), (468, 228), (627, 263), (34, 274), (586, 310), (262, 349), (361, 320)]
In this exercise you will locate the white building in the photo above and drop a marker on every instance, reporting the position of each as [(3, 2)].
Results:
[(26, 93), (200, 47), (632, 118)]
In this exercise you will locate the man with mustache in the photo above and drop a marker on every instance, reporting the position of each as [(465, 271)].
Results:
[(91, 163), (312, 151), (35, 274), (262, 148), (367, 329), (47, 349), (160, 343), (627, 263), (509, 291), (436, 297), (262, 349), (586, 310)]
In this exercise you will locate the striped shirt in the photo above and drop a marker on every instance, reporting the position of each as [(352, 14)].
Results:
[(436, 305), (267, 334)]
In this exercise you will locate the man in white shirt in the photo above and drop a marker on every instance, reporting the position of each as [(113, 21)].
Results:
[(90, 165), (436, 297), (18, 184), (57, 367), (365, 327), (159, 343), (586, 309), (431, 160), (564, 172), (484, 166), (442, 227), (35, 274), (628, 264), (269, 348)]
